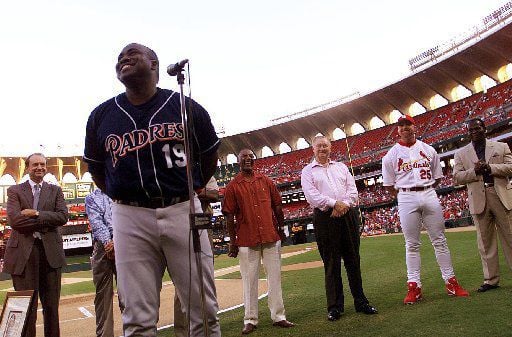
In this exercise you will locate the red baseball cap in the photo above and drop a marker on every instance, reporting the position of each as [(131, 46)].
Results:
[(405, 119)]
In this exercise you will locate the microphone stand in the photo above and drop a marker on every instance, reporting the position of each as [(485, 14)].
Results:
[(193, 216)]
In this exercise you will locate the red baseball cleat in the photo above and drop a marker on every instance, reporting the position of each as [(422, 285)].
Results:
[(454, 289), (413, 293)]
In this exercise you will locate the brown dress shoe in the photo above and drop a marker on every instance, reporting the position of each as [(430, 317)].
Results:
[(248, 328), (284, 324)]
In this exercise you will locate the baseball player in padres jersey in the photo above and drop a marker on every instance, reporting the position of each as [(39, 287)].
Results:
[(412, 169), (135, 150)]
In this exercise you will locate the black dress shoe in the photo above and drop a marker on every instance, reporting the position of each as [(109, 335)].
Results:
[(484, 287), (367, 309), (334, 315)]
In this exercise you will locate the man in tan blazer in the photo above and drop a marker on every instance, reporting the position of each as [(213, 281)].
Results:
[(34, 255), (486, 168)]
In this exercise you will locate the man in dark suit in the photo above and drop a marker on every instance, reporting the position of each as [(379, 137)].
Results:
[(34, 256)]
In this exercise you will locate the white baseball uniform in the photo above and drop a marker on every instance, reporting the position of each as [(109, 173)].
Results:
[(412, 170)]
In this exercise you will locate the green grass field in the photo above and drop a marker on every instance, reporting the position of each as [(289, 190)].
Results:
[(383, 269)]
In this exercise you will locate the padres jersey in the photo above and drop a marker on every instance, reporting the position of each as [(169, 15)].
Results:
[(417, 165), (140, 149)]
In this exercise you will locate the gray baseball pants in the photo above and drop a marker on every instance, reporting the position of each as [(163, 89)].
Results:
[(146, 242)]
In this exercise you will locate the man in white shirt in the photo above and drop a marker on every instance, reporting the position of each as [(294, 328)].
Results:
[(331, 191)]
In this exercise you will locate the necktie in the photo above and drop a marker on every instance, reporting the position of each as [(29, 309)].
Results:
[(37, 192)]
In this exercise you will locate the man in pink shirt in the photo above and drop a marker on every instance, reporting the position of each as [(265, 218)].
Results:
[(331, 191), (254, 201)]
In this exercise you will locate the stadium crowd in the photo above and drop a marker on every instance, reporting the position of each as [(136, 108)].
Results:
[(439, 125), (385, 219)]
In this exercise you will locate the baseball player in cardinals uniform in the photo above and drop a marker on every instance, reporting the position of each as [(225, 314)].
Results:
[(410, 170), (135, 150)]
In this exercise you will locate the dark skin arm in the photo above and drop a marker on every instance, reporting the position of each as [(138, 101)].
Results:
[(208, 195), (278, 211), (230, 223), (481, 167), (99, 180), (209, 164), (109, 250)]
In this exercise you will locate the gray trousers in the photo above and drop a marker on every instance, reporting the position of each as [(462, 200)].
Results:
[(103, 273), (148, 241)]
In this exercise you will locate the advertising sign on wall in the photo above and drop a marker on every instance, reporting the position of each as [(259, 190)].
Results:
[(77, 240)]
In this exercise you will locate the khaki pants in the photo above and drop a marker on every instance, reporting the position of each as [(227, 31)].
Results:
[(250, 258), (495, 221)]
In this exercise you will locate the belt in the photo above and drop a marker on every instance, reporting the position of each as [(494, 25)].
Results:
[(415, 189), (154, 202), (488, 184)]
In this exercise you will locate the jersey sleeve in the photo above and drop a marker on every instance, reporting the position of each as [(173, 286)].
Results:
[(388, 176), (94, 154)]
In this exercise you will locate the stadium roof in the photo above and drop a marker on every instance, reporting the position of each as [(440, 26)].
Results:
[(482, 55)]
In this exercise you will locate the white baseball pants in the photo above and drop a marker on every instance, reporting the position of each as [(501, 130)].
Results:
[(417, 209)]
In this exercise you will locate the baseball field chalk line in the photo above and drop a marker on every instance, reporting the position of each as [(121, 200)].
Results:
[(86, 312), (218, 312)]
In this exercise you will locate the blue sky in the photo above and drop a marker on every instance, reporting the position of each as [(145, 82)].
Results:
[(250, 61)]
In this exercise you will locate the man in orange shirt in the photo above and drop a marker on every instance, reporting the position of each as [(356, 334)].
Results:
[(255, 202)]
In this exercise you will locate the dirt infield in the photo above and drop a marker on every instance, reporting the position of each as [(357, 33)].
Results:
[(77, 316)]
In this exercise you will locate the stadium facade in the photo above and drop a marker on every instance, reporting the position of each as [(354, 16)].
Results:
[(440, 72)]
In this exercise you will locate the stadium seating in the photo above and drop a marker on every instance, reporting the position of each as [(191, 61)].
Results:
[(433, 126), (369, 147)]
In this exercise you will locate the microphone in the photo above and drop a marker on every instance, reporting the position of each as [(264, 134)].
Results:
[(175, 69)]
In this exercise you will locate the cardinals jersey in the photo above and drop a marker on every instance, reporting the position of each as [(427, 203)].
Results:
[(417, 165)]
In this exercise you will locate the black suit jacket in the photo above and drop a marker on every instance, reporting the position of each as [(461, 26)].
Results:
[(53, 213)]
